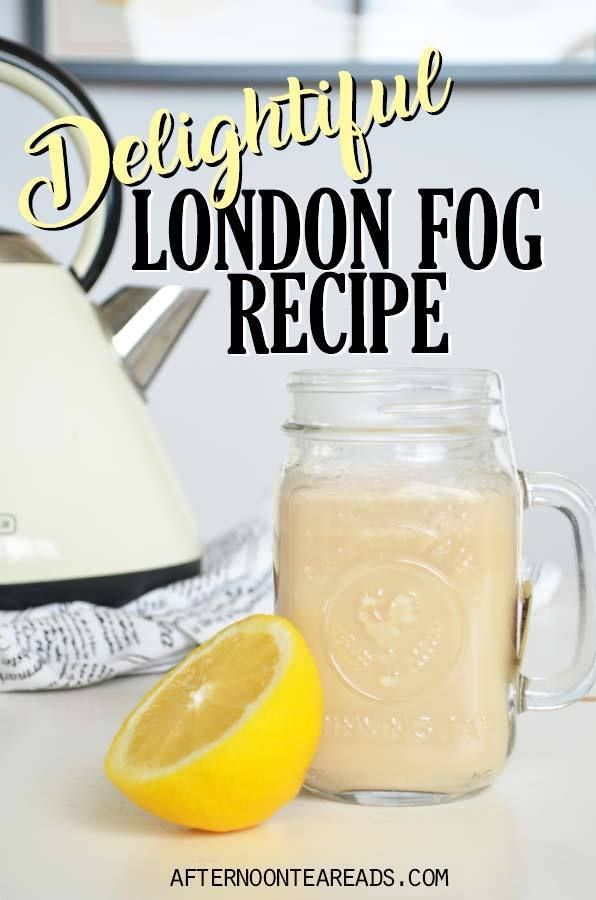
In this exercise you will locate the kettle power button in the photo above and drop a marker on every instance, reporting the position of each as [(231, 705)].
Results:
[(8, 523)]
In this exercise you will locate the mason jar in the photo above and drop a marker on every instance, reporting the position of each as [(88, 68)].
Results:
[(397, 555)]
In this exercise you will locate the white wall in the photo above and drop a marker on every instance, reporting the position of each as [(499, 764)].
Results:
[(220, 416)]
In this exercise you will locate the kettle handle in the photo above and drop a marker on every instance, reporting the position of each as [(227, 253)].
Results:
[(61, 94)]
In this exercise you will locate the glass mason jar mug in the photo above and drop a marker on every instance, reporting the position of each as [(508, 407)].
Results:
[(398, 557)]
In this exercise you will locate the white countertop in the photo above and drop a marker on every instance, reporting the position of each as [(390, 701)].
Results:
[(66, 834)]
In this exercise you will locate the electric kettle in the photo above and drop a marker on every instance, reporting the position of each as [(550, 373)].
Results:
[(90, 508)]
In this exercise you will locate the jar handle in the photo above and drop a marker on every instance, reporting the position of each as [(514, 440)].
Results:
[(555, 491)]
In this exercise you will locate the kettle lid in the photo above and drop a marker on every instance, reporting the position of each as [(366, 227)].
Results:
[(20, 248)]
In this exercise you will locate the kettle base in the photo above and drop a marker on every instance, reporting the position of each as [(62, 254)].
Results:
[(103, 590)]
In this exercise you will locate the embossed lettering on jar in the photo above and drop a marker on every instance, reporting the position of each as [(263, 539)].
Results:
[(397, 558)]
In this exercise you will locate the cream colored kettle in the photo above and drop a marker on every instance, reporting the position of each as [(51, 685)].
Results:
[(90, 508)]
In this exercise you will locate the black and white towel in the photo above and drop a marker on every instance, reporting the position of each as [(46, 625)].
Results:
[(65, 645)]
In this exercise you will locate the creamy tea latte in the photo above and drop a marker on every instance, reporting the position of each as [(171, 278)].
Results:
[(406, 594)]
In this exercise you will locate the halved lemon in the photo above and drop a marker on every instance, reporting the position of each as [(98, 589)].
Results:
[(225, 738)]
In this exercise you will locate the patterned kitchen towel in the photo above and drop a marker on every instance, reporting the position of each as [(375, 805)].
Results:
[(65, 645)]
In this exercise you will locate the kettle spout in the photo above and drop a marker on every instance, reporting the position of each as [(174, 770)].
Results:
[(145, 323)]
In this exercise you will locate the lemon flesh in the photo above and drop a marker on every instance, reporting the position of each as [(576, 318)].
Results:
[(225, 738)]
